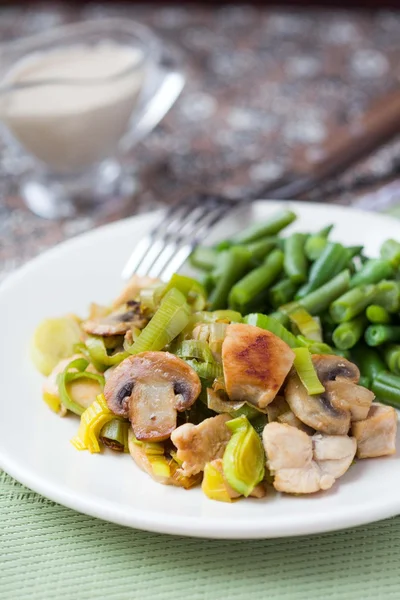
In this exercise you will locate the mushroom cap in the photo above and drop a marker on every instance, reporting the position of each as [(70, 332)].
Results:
[(116, 323), (149, 388), (331, 411)]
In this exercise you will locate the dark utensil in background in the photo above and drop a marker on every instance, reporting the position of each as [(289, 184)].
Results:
[(348, 145)]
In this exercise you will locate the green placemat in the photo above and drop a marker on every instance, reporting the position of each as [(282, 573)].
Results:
[(50, 552)]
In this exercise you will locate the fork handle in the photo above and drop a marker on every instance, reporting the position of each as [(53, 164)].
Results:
[(352, 142)]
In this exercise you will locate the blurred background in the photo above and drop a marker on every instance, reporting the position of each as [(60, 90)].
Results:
[(264, 84)]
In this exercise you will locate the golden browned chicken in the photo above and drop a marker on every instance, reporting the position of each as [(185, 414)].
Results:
[(256, 363)]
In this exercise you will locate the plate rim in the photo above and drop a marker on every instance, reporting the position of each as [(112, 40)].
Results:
[(189, 526)]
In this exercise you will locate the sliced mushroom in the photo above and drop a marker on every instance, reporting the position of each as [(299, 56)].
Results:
[(279, 410), (117, 322), (133, 288), (302, 464), (199, 444), (82, 391), (342, 401), (376, 435), (149, 389), (256, 363)]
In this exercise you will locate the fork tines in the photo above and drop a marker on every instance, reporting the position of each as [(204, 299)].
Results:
[(168, 245)]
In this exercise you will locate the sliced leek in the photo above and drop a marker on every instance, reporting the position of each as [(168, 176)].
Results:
[(92, 422), (306, 371), (170, 319)]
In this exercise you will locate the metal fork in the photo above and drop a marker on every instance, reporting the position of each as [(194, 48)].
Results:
[(171, 241)]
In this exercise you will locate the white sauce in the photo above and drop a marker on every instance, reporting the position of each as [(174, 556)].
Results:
[(72, 126)]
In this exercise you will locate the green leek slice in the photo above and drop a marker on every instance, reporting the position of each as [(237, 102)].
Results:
[(306, 371), (244, 458), (76, 369), (170, 319)]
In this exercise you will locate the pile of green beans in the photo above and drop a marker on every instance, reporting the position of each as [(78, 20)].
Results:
[(355, 299)]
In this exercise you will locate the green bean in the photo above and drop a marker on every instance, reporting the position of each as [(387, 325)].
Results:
[(259, 250), (365, 381), (314, 246), (346, 335), (316, 242), (368, 361), (208, 282), (203, 258), (231, 266), (352, 303), (276, 223), (354, 250), (377, 314), (387, 388), (388, 295), (376, 335), (333, 259), (390, 250), (319, 300), (282, 292), (295, 263), (391, 354), (373, 271), (256, 282)]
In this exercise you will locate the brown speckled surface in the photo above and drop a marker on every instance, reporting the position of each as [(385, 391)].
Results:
[(262, 84)]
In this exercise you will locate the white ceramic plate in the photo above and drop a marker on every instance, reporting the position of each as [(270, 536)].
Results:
[(34, 442)]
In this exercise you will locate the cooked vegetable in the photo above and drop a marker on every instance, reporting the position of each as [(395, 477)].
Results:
[(99, 356), (346, 335), (53, 340), (170, 319), (149, 389), (386, 387), (342, 401), (114, 434), (377, 314), (316, 243), (193, 291), (93, 420), (391, 353), (274, 225), (255, 282), (373, 271), (333, 259), (271, 324), (305, 323), (204, 258), (390, 250), (295, 261), (243, 460), (318, 301), (214, 485), (282, 292), (74, 371), (388, 295), (352, 303), (117, 322), (232, 264), (376, 335), (306, 371)]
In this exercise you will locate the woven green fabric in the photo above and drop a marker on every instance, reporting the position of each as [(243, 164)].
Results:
[(50, 552)]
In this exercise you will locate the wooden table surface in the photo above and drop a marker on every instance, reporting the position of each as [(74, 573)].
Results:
[(263, 84)]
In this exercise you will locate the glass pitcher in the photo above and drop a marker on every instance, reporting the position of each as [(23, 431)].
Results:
[(73, 102)]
